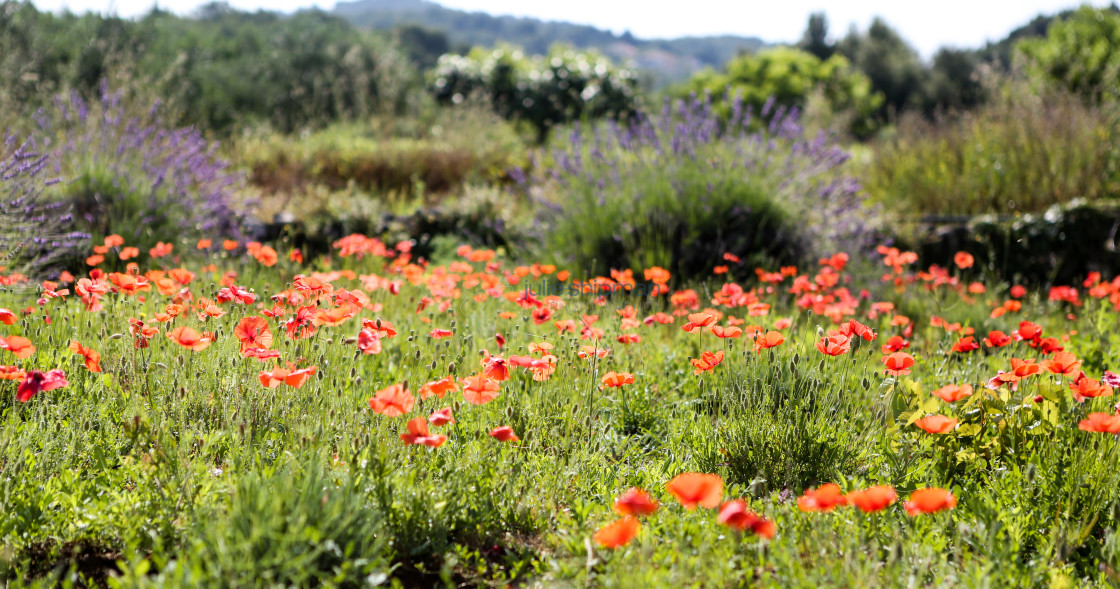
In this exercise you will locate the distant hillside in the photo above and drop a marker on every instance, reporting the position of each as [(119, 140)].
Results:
[(666, 60)]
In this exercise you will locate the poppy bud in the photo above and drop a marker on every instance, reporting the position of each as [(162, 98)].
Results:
[(353, 372), (330, 341), (455, 407), (451, 367), (404, 385), (161, 365), (350, 341), (410, 338), (417, 354), (319, 374), (358, 380), (116, 336), (452, 324), (1038, 399), (509, 412)]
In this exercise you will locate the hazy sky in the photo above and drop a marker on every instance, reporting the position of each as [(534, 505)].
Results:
[(928, 25)]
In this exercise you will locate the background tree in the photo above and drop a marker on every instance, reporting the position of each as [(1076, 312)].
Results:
[(893, 66), (815, 39), (1080, 53)]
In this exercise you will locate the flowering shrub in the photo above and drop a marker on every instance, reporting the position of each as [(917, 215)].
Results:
[(681, 189), (126, 173), (32, 229)]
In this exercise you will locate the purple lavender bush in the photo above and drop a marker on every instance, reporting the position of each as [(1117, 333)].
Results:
[(34, 234), (125, 172), (682, 188)]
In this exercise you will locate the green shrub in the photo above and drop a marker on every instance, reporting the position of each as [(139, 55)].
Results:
[(1021, 152)]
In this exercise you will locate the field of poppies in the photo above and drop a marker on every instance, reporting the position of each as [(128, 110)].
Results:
[(232, 414)]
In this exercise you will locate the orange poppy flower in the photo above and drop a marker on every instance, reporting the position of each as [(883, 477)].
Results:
[(768, 340), (952, 393), (90, 356), (266, 256), (229, 245), (1024, 368), (478, 389), (963, 260), (18, 345), (204, 244), (392, 401), (12, 373), (418, 434), (7, 317), (1101, 423), (129, 253), (629, 338), (504, 433), (114, 240), (872, 499), (824, 498), (694, 488), (835, 344), (898, 363), (1087, 388), (706, 361), (635, 502), (441, 417), (1063, 363), (735, 514), (438, 388), (726, 332), (587, 352), (936, 424), (616, 379), (929, 500), (191, 339), (290, 376), (253, 332), (697, 321), (617, 533)]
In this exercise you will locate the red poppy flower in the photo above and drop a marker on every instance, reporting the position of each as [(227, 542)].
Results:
[(440, 333), (617, 533), (253, 332), (1101, 423), (1063, 363), (726, 332), (18, 345), (898, 363), (824, 498), (929, 500), (504, 433), (696, 321), (997, 339), (36, 382), (89, 356), (441, 417), (7, 317), (694, 488), (835, 344), (895, 344), (936, 424), (418, 434), (952, 393), (629, 338), (965, 345), (392, 401), (767, 340), (290, 376), (616, 379), (735, 514), (872, 499), (438, 388), (706, 361), (190, 339), (963, 260), (478, 389), (635, 502), (1086, 388), (854, 328)]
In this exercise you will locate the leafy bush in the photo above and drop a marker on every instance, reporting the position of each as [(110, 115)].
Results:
[(681, 190), (542, 91), (790, 77), (1080, 53), (1021, 152), (126, 173)]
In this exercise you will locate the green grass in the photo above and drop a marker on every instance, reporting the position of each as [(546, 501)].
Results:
[(177, 468)]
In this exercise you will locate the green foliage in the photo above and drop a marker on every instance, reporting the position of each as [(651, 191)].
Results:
[(221, 68), (1021, 152), (1080, 54), (893, 66), (539, 91), (790, 77)]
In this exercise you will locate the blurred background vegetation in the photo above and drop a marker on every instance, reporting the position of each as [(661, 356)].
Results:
[(405, 116)]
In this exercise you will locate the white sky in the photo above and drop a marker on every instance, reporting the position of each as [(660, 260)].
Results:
[(927, 25)]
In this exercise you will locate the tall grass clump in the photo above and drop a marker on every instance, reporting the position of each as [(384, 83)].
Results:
[(33, 232), (127, 173), (681, 189), (1023, 151)]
